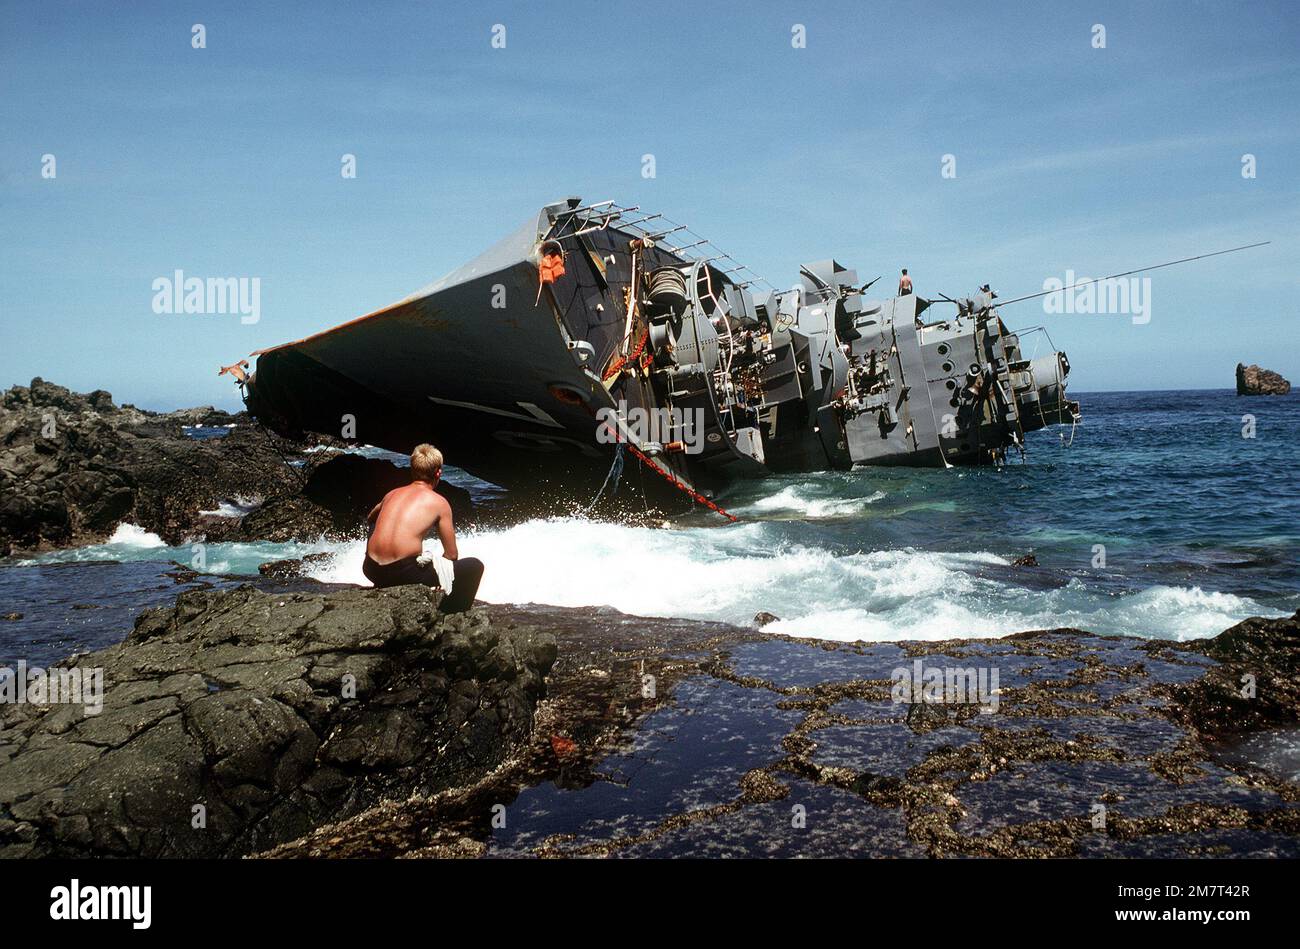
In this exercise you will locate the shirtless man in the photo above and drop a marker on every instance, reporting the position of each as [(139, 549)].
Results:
[(904, 284), (402, 520)]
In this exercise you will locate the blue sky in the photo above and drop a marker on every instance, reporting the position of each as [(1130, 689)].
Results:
[(225, 161)]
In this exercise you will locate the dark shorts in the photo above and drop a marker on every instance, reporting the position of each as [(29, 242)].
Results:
[(467, 572)]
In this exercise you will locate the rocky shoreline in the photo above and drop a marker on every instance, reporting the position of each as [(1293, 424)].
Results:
[(75, 466), (515, 731), (237, 720), (757, 745)]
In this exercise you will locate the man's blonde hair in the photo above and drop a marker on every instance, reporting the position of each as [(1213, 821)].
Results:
[(426, 462)]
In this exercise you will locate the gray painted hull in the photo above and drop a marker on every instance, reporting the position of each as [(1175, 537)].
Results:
[(511, 376)]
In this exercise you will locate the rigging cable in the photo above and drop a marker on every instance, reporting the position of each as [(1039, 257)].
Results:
[(270, 437), (663, 473), (615, 474)]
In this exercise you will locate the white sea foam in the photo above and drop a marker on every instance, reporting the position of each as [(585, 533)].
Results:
[(796, 500), (129, 535), (730, 573), (128, 542), (1183, 613), (131, 543)]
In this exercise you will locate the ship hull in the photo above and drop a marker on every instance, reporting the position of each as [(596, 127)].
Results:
[(435, 369), (513, 369)]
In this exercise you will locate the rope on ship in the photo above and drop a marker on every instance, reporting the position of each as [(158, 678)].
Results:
[(615, 475), (239, 371), (681, 485), (636, 357), (616, 472)]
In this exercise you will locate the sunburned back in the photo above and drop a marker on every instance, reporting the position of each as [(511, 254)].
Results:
[(406, 516)]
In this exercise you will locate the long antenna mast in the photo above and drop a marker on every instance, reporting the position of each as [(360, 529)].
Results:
[(1129, 273)]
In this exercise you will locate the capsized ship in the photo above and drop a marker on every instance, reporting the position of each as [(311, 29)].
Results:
[(598, 329)]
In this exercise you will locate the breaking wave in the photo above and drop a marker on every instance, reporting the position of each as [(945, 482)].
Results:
[(129, 535), (729, 574), (127, 542), (889, 554)]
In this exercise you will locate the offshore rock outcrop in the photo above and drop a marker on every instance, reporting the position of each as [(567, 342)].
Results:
[(1252, 380), (73, 467), (237, 720)]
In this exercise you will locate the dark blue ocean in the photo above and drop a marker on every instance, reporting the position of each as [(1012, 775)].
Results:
[(1156, 517)]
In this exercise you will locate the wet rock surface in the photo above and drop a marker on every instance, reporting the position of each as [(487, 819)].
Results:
[(291, 568), (73, 467), (240, 719), (666, 738), (654, 737), (1252, 380)]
